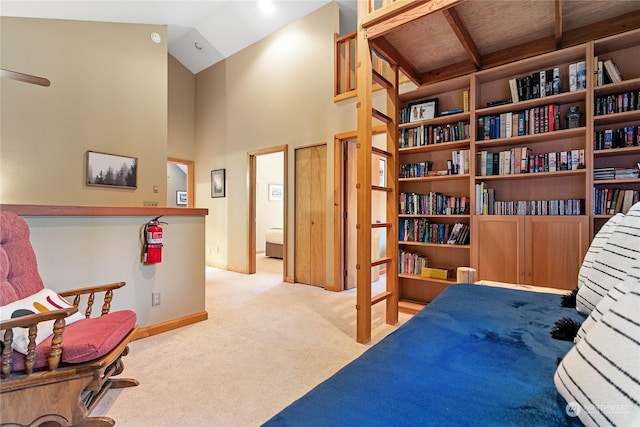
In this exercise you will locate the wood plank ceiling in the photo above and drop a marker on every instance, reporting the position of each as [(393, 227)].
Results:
[(441, 39)]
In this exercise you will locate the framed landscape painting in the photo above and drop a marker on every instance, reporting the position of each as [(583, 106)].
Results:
[(112, 170)]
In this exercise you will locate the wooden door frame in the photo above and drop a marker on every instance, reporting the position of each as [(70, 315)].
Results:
[(190, 180), (251, 190), (339, 207)]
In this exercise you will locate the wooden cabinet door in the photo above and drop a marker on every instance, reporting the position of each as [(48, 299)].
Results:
[(499, 248), (555, 247), (310, 232)]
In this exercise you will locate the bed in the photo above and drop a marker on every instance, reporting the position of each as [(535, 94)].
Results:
[(274, 243), (484, 355)]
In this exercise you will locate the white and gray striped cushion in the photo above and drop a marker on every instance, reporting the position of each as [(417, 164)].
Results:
[(596, 245), (632, 282), (610, 266), (600, 377)]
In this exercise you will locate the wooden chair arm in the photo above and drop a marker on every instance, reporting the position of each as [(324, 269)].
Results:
[(91, 292), (92, 289), (34, 319), (31, 323)]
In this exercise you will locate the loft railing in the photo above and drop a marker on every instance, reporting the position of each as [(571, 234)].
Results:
[(345, 54), (345, 67)]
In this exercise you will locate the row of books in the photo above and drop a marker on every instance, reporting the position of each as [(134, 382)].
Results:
[(628, 136), (531, 121), (539, 207), (577, 76), (616, 173), (433, 204), (610, 201), (411, 262), (416, 170), (422, 230), (606, 72), (486, 204), (458, 165), (617, 103), (519, 160), (537, 85), (430, 134)]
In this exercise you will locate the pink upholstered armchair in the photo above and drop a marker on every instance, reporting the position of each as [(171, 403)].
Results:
[(56, 362)]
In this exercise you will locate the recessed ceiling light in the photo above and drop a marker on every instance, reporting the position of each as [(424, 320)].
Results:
[(267, 6)]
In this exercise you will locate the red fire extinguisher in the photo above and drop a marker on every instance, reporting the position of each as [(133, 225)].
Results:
[(152, 235)]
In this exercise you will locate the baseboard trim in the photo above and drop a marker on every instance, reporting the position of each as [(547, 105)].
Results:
[(170, 325), (290, 279)]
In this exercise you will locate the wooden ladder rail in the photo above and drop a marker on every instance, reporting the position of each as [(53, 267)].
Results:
[(366, 77)]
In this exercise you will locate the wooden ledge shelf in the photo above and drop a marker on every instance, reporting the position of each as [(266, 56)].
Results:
[(67, 210)]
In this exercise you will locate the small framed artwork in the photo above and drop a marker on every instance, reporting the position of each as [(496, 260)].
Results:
[(218, 183), (111, 170), (181, 198), (275, 192), (423, 110)]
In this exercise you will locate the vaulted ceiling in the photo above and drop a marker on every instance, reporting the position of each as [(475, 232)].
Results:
[(200, 33)]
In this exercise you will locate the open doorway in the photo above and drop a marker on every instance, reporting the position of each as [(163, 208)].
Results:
[(179, 183), (267, 211), (346, 206)]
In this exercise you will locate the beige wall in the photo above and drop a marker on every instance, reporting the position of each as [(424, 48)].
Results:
[(277, 91), (108, 93), (110, 86), (181, 112)]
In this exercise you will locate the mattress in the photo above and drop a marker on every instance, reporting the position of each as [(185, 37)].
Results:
[(476, 356), (274, 235)]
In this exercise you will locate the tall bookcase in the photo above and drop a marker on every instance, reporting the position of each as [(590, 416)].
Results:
[(624, 51), (553, 181), (433, 203)]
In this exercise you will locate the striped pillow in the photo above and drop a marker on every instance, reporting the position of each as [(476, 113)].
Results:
[(632, 282), (610, 266), (600, 377), (596, 245)]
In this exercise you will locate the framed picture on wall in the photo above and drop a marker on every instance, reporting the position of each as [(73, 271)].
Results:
[(275, 192), (218, 183), (111, 170), (181, 198)]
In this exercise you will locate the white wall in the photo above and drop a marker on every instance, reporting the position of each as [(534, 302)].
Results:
[(80, 251), (269, 213)]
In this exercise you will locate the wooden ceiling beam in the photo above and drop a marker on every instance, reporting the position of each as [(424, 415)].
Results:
[(460, 30), (384, 48), (558, 24), (401, 12), (608, 27), (448, 72)]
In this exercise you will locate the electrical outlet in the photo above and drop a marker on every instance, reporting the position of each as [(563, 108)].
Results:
[(155, 298)]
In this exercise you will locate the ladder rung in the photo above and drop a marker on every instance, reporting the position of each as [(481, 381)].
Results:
[(381, 80), (380, 116), (380, 297), (381, 225), (379, 188), (380, 152), (380, 261)]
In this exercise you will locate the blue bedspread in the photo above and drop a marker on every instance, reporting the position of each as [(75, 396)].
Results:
[(475, 356)]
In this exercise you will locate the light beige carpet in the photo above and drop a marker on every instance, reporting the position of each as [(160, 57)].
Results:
[(265, 344)]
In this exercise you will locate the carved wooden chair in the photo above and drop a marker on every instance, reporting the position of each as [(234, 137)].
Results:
[(60, 378)]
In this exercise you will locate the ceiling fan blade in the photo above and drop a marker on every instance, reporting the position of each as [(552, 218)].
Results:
[(27, 78)]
